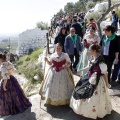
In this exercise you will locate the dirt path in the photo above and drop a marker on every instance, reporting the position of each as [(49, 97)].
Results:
[(62, 112), (59, 113)]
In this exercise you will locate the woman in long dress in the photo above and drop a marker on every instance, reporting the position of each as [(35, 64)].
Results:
[(58, 85), (12, 97), (96, 102), (89, 38)]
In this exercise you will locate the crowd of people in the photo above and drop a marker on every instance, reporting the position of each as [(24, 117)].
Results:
[(80, 50), (76, 34)]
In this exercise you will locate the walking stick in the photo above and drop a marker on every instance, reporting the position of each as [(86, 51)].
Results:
[(46, 52)]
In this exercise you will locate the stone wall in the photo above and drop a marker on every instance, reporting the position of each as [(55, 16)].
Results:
[(30, 40)]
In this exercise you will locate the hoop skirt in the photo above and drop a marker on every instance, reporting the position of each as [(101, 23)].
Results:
[(96, 106), (58, 85), (13, 100)]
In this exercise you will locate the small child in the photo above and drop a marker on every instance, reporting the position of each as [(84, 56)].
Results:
[(3, 70), (6, 69)]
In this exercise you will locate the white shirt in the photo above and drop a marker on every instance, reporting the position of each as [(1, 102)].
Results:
[(106, 48)]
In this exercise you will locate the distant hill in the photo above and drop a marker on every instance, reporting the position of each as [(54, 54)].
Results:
[(9, 35), (1, 49), (4, 44), (4, 40)]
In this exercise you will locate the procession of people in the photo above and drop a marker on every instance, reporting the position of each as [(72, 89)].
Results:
[(78, 50), (85, 53)]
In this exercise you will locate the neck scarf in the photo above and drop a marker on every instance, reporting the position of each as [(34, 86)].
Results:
[(73, 38), (109, 38)]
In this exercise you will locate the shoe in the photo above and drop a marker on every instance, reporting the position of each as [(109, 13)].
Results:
[(118, 81), (110, 87), (113, 83)]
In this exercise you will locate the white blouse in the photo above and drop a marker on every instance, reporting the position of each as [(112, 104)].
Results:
[(92, 39), (103, 67), (57, 58), (4, 73), (5, 68)]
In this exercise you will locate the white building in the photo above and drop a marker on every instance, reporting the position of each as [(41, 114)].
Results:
[(31, 39)]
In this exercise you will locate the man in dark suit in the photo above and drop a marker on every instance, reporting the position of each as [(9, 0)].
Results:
[(78, 29)]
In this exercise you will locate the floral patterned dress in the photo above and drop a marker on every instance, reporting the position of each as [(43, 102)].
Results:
[(96, 106), (58, 85)]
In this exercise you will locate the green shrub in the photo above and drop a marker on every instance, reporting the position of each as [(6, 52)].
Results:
[(27, 65), (27, 58), (30, 51), (90, 5), (20, 62), (31, 70), (35, 54)]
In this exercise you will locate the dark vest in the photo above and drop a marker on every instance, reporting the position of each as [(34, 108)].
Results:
[(84, 89)]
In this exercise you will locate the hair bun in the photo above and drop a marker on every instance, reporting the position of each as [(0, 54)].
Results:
[(96, 47)]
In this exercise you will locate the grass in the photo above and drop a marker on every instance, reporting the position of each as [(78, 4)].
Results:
[(27, 65)]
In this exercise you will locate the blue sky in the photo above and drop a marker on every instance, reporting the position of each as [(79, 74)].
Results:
[(18, 15)]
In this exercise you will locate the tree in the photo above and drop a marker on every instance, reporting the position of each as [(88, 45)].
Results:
[(90, 5), (110, 7), (42, 25), (61, 12), (98, 1), (75, 7), (78, 7), (84, 4), (69, 7)]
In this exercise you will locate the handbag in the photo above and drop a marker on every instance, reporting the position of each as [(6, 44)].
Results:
[(85, 87)]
